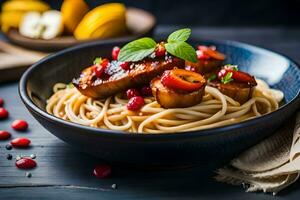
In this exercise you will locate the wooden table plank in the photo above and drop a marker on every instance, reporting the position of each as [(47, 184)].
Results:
[(65, 172)]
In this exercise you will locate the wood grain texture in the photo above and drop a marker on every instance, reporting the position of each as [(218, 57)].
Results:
[(65, 172)]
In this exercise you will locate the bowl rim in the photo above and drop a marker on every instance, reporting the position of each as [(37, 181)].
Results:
[(185, 134)]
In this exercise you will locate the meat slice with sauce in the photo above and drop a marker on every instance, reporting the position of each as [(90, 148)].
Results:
[(117, 79)]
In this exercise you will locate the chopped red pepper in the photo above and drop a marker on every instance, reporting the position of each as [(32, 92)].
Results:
[(182, 79)]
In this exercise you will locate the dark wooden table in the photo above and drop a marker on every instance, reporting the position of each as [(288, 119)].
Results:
[(64, 173)]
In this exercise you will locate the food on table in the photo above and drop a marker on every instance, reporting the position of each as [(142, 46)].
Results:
[(46, 26), (3, 113), (72, 12), (13, 11), (4, 135), (115, 94), (25, 163), (105, 21), (20, 142), (19, 125)]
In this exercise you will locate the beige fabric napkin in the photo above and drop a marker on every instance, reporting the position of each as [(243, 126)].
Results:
[(269, 166)]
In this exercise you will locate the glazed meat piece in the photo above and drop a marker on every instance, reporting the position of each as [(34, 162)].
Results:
[(233, 83), (117, 78), (168, 98), (178, 88), (240, 92), (209, 59)]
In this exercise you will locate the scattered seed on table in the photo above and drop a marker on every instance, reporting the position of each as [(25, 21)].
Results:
[(28, 174), (9, 156), (114, 186), (8, 147), (33, 156)]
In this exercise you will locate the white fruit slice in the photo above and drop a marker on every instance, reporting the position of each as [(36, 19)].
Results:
[(52, 24), (30, 25), (46, 26)]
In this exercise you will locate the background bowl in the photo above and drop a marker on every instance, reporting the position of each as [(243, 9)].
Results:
[(161, 149), (139, 22)]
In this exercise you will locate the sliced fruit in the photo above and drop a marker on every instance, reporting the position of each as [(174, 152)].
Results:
[(72, 13), (19, 5), (105, 21), (46, 26)]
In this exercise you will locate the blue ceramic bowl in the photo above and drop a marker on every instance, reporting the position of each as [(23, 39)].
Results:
[(162, 149)]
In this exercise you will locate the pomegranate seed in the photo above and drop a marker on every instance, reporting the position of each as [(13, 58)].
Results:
[(4, 135), (98, 71), (160, 51), (1, 102), (104, 62), (3, 113), (132, 93), (102, 171), (115, 53), (135, 103), (146, 91), (190, 68), (125, 65), (20, 142), (201, 55), (25, 163), (19, 125)]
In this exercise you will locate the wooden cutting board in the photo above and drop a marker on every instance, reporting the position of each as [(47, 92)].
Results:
[(15, 60)]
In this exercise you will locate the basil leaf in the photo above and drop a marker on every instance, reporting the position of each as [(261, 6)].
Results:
[(212, 77), (137, 50), (227, 78), (180, 35), (182, 50)]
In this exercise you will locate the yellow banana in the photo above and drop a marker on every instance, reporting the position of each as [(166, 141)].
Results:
[(21, 5), (108, 20), (72, 12)]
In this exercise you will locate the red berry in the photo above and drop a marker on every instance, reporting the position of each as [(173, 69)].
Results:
[(25, 163), (19, 125), (20, 142), (132, 93), (98, 71), (102, 171), (1, 102), (146, 91), (4, 135), (160, 51), (125, 65), (135, 103), (201, 55), (190, 68), (3, 113), (115, 53)]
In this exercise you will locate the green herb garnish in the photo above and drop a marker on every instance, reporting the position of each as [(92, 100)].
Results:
[(137, 50), (176, 45), (233, 67), (98, 61), (70, 85), (212, 77), (227, 78)]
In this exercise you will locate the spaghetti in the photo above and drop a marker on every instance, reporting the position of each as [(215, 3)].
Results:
[(215, 110)]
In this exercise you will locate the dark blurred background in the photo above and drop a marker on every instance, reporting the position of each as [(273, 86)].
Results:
[(216, 12)]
